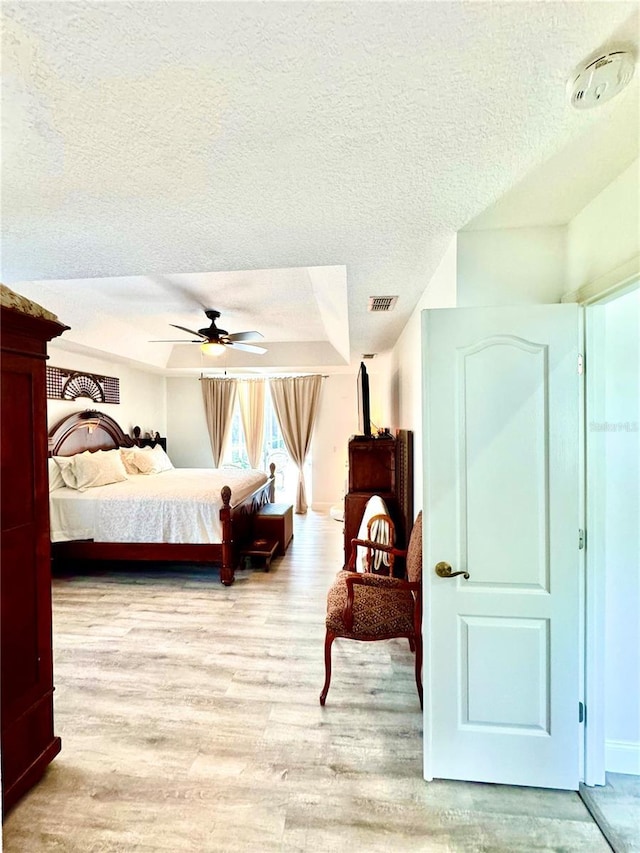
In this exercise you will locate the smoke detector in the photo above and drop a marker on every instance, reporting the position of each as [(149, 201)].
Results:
[(382, 303), (602, 79)]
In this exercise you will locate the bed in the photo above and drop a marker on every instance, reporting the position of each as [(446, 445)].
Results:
[(146, 517)]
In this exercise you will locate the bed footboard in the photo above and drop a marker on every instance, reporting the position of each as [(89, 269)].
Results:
[(236, 522)]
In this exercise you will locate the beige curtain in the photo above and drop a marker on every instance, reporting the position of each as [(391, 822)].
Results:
[(219, 396), (251, 397), (296, 400)]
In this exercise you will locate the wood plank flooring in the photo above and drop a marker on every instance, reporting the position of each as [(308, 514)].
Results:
[(616, 809), (190, 721)]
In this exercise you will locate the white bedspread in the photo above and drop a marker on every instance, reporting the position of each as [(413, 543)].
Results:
[(181, 506)]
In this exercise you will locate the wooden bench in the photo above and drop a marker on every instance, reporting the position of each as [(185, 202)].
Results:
[(275, 521)]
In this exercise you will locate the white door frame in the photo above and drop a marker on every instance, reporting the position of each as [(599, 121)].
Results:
[(595, 476), (594, 692)]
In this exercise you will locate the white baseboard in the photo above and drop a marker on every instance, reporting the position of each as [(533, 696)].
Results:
[(321, 506), (622, 756)]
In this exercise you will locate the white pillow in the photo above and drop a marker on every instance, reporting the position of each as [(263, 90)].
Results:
[(375, 506), (67, 470), (55, 475), (162, 460), (150, 460), (145, 462), (88, 470), (127, 454), (98, 469)]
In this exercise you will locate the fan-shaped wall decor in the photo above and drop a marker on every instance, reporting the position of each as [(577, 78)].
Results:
[(65, 384), (82, 385)]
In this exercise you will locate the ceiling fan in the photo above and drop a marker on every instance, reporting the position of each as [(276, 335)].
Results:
[(213, 340)]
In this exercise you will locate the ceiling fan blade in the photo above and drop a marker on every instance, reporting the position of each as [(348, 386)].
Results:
[(247, 348), (173, 287), (174, 341), (244, 336), (184, 329)]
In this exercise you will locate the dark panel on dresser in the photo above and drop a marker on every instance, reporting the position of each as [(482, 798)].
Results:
[(384, 467), (372, 465)]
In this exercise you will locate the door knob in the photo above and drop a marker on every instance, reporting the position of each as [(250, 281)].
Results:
[(443, 570)]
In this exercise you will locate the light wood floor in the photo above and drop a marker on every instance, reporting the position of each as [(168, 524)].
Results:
[(190, 721), (616, 809)]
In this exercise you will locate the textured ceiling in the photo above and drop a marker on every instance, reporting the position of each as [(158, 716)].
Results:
[(132, 316), (208, 137)]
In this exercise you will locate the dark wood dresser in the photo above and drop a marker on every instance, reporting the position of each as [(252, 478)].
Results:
[(384, 467), (28, 741)]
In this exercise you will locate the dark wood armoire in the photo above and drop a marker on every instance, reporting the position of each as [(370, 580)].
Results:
[(384, 467), (28, 740)]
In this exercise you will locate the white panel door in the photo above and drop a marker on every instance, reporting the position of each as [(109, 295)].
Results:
[(501, 392)]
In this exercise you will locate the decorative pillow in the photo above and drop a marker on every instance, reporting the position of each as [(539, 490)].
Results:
[(88, 470), (375, 506), (145, 461), (98, 469), (149, 460), (55, 475), (127, 454)]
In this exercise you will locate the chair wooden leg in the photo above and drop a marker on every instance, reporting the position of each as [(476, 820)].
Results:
[(418, 642), (327, 666)]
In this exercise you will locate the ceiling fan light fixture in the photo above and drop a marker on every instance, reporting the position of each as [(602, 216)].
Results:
[(213, 341), (212, 348)]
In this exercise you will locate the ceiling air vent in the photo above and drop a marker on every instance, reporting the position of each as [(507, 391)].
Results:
[(369, 355), (382, 303)]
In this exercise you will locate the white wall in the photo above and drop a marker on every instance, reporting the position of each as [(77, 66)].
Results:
[(379, 371), (187, 435), (142, 395), (605, 235), (511, 266), (495, 267), (337, 421), (406, 358), (622, 538)]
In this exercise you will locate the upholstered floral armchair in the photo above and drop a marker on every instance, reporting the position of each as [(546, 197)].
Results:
[(368, 607)]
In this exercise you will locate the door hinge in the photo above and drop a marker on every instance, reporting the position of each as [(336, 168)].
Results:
[(582, 712), (582, 539), (580, 364)]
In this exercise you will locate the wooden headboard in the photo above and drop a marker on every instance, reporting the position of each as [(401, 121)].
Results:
[(88, 430)]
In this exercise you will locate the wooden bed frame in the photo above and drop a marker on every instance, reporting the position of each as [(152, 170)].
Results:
[(92, 430)]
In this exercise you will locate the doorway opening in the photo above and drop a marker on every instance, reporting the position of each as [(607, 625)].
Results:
[(612, 734)]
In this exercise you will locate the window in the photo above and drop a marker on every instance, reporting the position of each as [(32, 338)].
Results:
[(273, 450), (273, 439), (236, 452)]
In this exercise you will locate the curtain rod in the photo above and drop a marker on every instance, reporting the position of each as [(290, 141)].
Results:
[(262, 378)]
